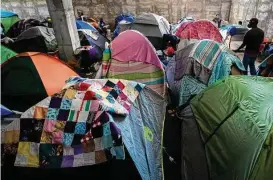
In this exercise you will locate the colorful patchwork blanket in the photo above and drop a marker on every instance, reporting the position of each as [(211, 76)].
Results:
[(74, 127)]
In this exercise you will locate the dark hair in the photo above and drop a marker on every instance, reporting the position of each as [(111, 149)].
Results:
[(254, 21)]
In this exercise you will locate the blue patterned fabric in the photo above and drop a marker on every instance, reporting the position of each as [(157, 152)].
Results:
[(223, 65)]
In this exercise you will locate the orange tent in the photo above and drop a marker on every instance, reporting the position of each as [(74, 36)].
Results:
[(30, 77)]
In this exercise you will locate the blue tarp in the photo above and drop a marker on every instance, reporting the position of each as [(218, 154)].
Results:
[(5, 111), (84, 25), (5, 14)]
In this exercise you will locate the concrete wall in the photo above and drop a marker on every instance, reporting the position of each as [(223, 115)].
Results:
[(173, 10), (36, 9), (261, 9), (232, 10)]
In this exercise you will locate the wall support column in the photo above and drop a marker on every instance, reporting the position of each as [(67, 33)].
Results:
[(63, 19)]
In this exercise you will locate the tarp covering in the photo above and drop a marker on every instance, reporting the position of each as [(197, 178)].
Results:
[(87, 123), (201, 29), (36, 39), (238, 136), (6, 53), (134, 58)]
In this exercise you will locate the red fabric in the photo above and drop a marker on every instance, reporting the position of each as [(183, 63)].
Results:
[(170, 51), (201, 29)]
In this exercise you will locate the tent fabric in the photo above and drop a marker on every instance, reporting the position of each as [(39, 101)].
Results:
[(99, 41), (47, 33), (132, 45), (22, 25), (36, 39), (149, 20), (8, 19), (5, 111), (5, 14), (153, 27), (84, 25), (30, 77), (136, 61), (244, 112), (266, 67), (6, 53), (193, 157), (134, 123), (128, 18), (201, 29), (205, 61)]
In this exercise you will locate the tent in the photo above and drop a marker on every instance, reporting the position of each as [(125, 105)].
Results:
[(92, 38), (233, 35), (90, 122), (8, 19), (5, 111), (29, 77), (199, 65), (91, 52), (22, 25), (266, 67), (6, 53), (176, 26), (35, 39), (84, 25), (122, 20), (153, 27), (229, 124), (134, 58), (191, 32)]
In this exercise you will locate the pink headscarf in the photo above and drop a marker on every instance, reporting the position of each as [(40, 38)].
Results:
[(131, 45)]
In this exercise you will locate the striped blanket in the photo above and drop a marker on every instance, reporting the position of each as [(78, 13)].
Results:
[(206, 52), (148, 74)]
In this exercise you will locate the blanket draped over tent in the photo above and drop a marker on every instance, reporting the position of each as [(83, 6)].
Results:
[(87, 123), (134, 58), (199, 65)]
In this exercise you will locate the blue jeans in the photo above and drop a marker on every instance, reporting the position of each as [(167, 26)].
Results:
[(250, 61)]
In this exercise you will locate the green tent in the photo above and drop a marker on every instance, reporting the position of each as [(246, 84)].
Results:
[(8, 18), (6, 53), (235, 117)]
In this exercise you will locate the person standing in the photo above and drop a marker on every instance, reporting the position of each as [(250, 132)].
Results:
[(217, 20), (252, 40)]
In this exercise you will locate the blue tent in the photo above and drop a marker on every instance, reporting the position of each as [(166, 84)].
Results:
[(127, 17), (5, 111), (84, 25), (5, 14)]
